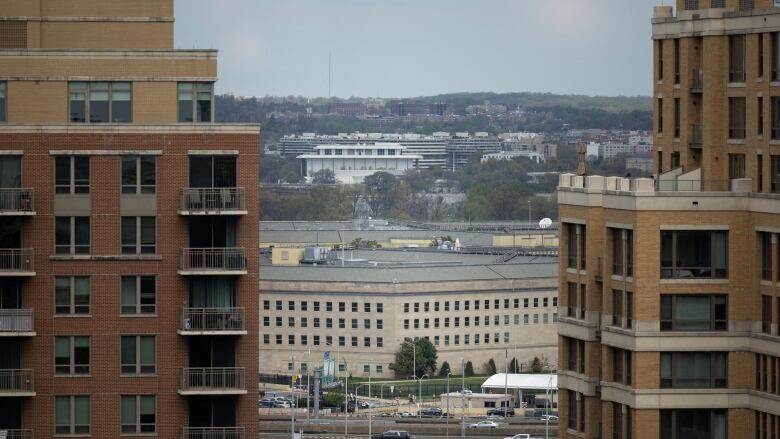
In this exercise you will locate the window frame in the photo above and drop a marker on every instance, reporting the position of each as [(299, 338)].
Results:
[(670, 324), (677, 358), (672, 272), (138, 247), (73, 186), (72, 427), (138, 365), (72, 306), (138, 187), (73, 369), (3, 102), (138, 426), (194, 91), (87, 91), (73, 248), (139, 307)]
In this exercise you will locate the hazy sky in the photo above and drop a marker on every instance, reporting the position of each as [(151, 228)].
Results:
[(401, 48)]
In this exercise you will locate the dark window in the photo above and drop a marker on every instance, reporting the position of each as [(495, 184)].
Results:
[(691, 5), (617, 308), (101, 102), (617, 421), (775, 176), (138, 354), (677, 62), (676, 118), (138, 414), (617, 252), (737, 58), (775, 100), (195, 101), (139, 235), (629, 253), (213, 171), (71, 295), (629, 309), (688, 370), (2, 102), (736, 118), (775, 36), (694, 312), (760, 116), (139, 174), (660, 60), (571, 245), (766, 314), (71, 415), (765, 241), (571, 300), (760, 60), (71, 235), (694, 254), (71, 355), (71, 174)]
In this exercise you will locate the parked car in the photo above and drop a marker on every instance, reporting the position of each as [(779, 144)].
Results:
[(499, 411), (549, 417), (484, 424), (431, 412), (281, 404), (265, 402), (405, 414), (520, 436), (392, 434)]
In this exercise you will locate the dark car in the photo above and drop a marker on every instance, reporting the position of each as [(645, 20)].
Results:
[(501, 411), (431, 413), (392, 434)]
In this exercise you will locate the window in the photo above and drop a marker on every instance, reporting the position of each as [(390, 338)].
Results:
[(291, 305), (691, 5), (746, 5), (693, 313), (737, 58), (316, 306), (290, 322), (775, 176), (290, 339), (617, 251), (71, 174), (304, 340), (775, 60), (683, 370), (138, 235), (629, 309), (278, 305), (676, 118), (379, 308), (367, 307), (660, 117), (355, 307), (316, 323), (572, 300), (765, 241), (266, 339), (71, 295), (379, 342), (354, 342), (660, 60), (766, 314), (139, 295), (304, 322), (677, 65), (138, 413), (278, 322), (343, 306), (536, 302), (71, 355), (138, 354), (617, 308), (736, 118), (304, 305), (195, 101), (446, 306), (355, 323), (71, 415), (379, 324), (571, 245), (72, 235), (617, 421), (266, 305), (342, 341), (278, 338), (760, 116), (629, 235), (694, 254), (367, 342), (139, 174), (329, 306), (2, 102), (100, 102), (536, 319)]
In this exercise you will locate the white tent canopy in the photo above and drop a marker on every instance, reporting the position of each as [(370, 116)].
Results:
[(522, 381)]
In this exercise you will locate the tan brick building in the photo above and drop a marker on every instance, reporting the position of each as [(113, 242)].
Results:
[(669, 286), (127, 298)]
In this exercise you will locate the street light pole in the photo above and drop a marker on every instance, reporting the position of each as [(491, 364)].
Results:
[(292, 396), (462, 399), (346, 398), (448, 404), (506, 381), (369, 401)]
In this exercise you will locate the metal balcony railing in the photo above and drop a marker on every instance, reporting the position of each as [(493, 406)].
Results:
[(212, 379), (17, 201), (213, 433), (212, 319), (16, 381), (697, 136), (212, 200), (16, 260), (16, 434), (697, 81), (213, 259), (16, 320)]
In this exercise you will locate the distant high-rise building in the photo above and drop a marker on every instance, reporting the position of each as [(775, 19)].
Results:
[(670, 285), (128, 230)]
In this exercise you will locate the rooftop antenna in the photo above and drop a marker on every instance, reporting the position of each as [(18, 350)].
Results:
[(329, 77)]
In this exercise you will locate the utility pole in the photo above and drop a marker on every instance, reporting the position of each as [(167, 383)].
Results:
[(506, 381), (448, 404), (462, 399), (369, 401), (346, 397), (292, 395)]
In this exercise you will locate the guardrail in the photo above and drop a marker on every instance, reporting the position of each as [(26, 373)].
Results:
[(16, 320), (17, 200), (697, 136), (16, 380), (212, 378), (213, 259), (213, 433), (212, 319), (16, 434), (16, 259), (697, 81), (212, 199)]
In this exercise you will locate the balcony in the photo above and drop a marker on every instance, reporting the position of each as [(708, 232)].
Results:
[(16, 382), (212, 381), (16, 434), (212, 201), (213, 433), (697, 136), (16, 262), (212, 321), (16, 323), (697, 81), (17, 202), (212, 261)]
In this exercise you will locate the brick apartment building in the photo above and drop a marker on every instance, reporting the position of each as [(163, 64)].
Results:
[(128, 223), (670, 285)]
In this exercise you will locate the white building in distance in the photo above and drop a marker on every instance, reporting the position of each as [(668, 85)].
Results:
[(352, 163)]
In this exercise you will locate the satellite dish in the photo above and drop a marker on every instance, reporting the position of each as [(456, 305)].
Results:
[(545, 223)]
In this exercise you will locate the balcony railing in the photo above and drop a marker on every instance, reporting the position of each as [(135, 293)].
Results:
[(16, 320), (17, 201), (16, 260), (16, 434), (209, 259), (697, 81), (697, 136), (213, 380), (212, 319), (213, 433), (14, 381), (212, 201)]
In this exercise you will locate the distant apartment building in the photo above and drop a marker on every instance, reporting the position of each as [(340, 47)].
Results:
[(463, 147), (670, 284), (642, 162), (348, 109), (128, 223), (528, 142), (350, 164), (511, 155)]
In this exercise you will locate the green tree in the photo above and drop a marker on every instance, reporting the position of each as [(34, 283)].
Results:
[(421, 350), (333, 399), (468, 369), (324, 176), (514, 366), (491, 367), (444, 370), (536, 365)]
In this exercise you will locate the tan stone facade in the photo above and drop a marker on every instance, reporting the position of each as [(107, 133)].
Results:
[(117, 317)]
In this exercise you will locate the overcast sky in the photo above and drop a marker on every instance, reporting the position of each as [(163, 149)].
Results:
[(403, 48)]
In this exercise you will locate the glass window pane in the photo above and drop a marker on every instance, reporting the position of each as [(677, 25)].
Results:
[(62, 410), (185, 102), (81, 294), (98, 104), (128, 295), (2, 101), (128, 412), (81, 174), (121, 102), (82, 235), (128, 352), (692, 313), (81, 410), (148, 234), (62, 347), (62, 174), (62, 294), (147, 294), (225, 171), (147, 350), (129, 175), (128, 234), (148, 174)]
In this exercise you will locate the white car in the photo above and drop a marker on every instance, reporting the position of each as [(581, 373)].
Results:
[(484, 424), (520, 436)]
